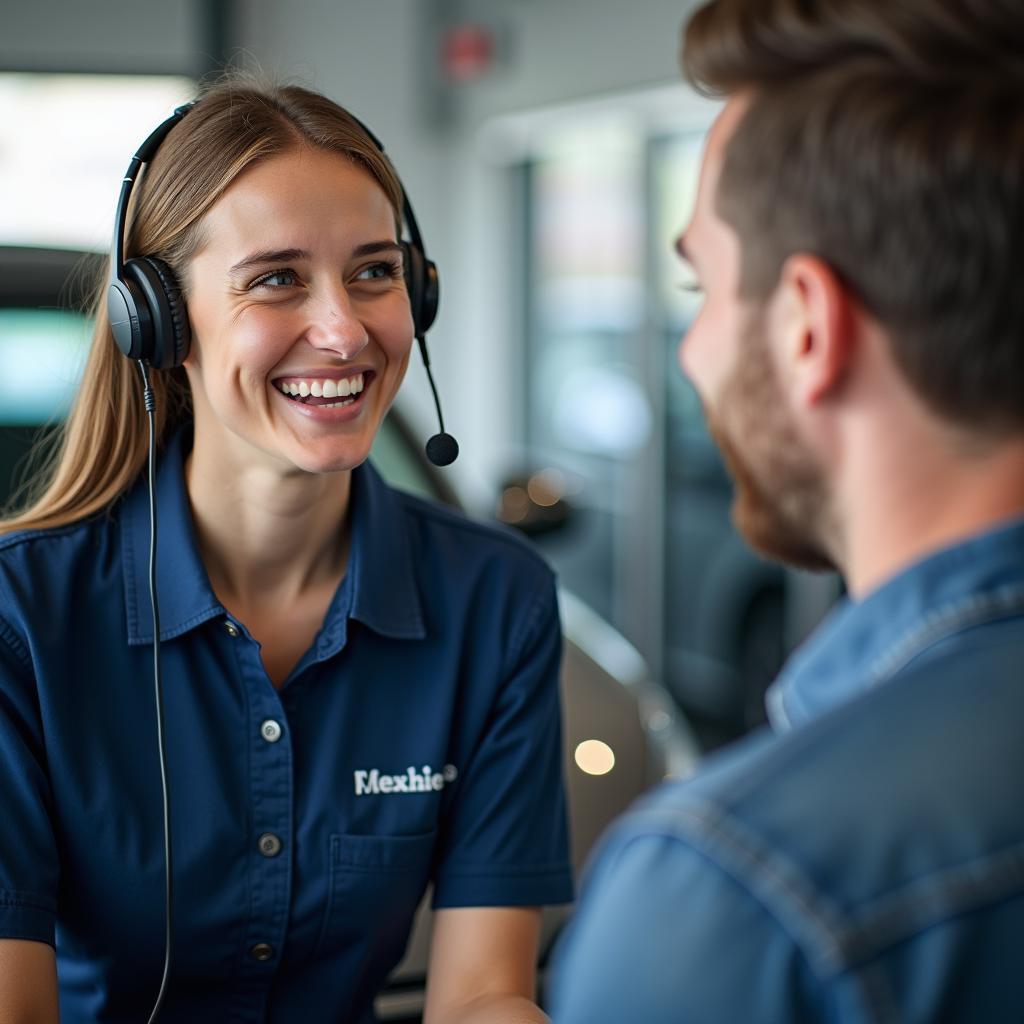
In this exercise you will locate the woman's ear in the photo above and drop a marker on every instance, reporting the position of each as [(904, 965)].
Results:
[(815, 327)]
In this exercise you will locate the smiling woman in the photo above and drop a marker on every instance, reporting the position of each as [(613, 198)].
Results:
[(300, 246), (317, 627)]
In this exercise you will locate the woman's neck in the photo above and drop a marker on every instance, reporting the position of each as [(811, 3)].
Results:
[(267, 533)]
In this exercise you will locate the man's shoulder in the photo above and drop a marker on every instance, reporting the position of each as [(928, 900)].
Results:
[(880, 845), (973, 694), (904, 790)]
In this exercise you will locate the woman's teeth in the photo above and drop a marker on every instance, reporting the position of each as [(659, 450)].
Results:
[(345, 389)]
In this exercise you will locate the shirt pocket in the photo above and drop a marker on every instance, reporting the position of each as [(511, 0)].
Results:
[(376, 884)]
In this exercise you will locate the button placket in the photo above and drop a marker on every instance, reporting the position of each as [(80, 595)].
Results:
[(271, 767)]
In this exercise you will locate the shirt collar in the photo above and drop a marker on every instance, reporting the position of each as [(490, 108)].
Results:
[(186, 597), (380, 588), (861, 643)]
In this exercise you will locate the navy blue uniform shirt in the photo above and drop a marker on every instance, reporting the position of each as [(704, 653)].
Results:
[(865, 863), (416, 741)]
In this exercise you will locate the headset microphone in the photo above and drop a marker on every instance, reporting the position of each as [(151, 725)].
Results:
[(442, 448)]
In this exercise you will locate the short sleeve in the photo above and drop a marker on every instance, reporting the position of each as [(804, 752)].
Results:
[(505, 838), (663, 934), (28, 856)]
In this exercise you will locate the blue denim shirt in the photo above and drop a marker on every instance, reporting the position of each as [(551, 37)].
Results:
[(864, 861)]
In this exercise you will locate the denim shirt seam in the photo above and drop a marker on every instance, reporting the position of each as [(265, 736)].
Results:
[(776, 881), (902, 913), (835, 941), (941, 622)]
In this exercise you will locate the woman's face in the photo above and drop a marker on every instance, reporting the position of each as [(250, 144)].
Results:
[(301, 327)]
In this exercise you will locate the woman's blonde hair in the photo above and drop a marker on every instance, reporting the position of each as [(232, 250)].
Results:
[(100, 450)]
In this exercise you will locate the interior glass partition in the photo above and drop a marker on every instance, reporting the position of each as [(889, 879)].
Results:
[(652, 548), (587, 413)]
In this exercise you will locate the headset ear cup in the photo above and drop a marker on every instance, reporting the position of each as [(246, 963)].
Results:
[(123, 314), (422, 284), (169, 332), (431, 293)]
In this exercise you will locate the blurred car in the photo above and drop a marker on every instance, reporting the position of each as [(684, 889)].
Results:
[(622, 733)]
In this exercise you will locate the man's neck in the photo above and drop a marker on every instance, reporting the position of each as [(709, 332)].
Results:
[(912, 500)]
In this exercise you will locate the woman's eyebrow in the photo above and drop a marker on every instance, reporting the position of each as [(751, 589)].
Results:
[(257, 259), (265, 256), (372, 247)]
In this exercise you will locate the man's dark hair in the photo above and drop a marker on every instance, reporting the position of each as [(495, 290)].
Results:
[(887, 138)]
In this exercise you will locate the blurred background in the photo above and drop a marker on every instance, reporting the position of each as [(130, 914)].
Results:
[(550, 151)]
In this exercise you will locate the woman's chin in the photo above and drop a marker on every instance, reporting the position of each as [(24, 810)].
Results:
[(330, 458)]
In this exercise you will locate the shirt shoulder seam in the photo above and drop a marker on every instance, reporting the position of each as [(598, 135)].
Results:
[(14, 643), (22, 537), (835, 940), (529, 626), (766, 874), (949, 619)]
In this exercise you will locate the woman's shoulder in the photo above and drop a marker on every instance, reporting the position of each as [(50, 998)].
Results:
[(35, 560), (42, 571), (42, 543)]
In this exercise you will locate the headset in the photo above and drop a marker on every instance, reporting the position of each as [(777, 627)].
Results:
[(149, 321), (146, 307)]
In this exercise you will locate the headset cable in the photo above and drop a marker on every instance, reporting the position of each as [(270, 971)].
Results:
[(150, 403)]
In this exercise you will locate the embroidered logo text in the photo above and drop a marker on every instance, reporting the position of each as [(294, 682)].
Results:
[(426, 780)]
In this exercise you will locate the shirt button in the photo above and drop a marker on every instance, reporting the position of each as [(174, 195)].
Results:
[(270, 731), (231, 629), (262, 951), (269, 845)]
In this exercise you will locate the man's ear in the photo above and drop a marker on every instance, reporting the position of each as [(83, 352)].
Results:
[(815, 321)]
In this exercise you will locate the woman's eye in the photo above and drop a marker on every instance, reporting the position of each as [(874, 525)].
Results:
[(380, 271), (276, 279)]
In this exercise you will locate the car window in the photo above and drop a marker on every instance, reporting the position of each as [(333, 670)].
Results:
[(42, 352)]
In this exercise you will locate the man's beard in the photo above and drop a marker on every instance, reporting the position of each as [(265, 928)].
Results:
[(781, 504)]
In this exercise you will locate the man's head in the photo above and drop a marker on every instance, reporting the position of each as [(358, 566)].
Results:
[(869, 164), (781, 504)]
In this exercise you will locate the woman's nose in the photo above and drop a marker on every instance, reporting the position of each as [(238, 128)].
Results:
[(336, 326)]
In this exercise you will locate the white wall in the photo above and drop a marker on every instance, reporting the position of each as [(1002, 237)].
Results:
[(562, 50), (101, 35)]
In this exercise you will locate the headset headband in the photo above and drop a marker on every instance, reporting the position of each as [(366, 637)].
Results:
[(145, 153), (142, 156)]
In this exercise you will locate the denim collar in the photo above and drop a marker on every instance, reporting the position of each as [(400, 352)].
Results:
[(862, 643), (380, 588)]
